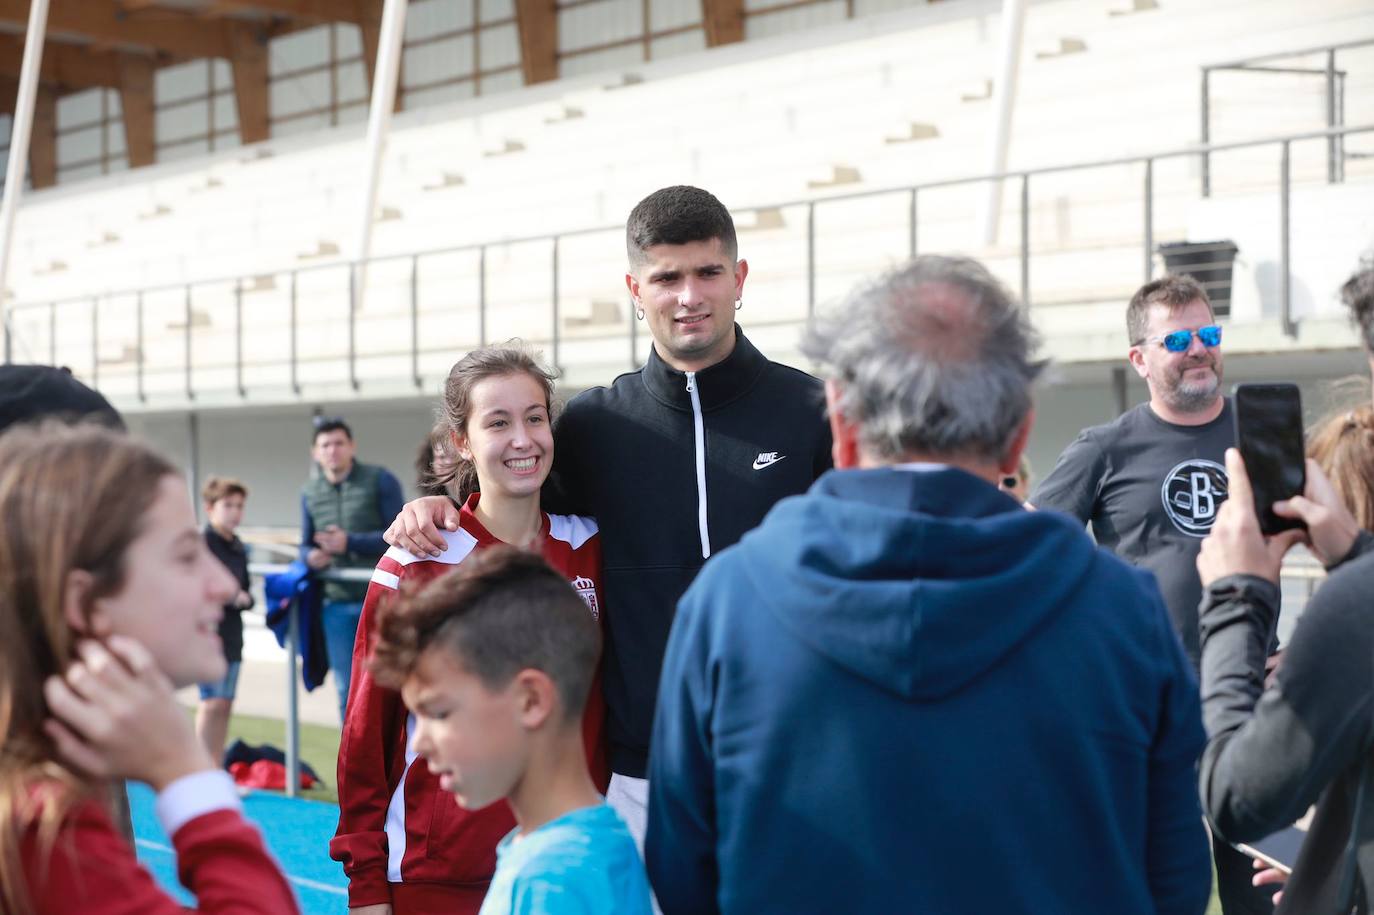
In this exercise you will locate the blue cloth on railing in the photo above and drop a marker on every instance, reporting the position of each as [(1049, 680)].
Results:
[(298, 585)]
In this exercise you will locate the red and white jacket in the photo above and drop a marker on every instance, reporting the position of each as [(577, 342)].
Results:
[(401, 838), (91, 870)]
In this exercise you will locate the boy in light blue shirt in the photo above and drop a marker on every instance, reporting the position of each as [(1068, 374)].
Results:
[(495, 660)]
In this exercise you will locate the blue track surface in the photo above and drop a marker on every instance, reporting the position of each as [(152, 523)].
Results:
[(297, 832)]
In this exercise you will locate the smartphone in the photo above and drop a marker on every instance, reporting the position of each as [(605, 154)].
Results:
[(1279, 849), (1269, 436)]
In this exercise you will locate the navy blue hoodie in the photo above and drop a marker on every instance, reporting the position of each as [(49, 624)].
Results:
[(904, 693)]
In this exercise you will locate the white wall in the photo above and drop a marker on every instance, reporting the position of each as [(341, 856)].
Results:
[(270, 450)]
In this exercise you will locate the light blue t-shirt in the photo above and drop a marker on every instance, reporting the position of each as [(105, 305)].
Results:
[(583, 863)]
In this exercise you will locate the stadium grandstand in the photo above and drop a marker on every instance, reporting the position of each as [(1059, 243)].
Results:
[(224, 229), (198, 167)]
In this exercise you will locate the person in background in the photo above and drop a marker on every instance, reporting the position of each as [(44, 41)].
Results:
[(224, 499), (434, 464), (1150, 482), (1343, 447), (344, 509)]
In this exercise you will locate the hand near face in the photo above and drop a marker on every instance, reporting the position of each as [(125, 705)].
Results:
[(114, 715)]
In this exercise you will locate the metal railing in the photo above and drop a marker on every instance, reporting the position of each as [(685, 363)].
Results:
[(1334, 98), (555, 241), (293, 652), (1300, 569)]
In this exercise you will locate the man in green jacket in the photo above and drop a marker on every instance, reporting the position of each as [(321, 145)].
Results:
[(345, 507)]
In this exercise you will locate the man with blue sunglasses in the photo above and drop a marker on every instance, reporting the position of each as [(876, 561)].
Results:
[(1151, 482)]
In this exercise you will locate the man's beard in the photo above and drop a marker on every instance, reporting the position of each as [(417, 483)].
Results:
[(1193, 396)]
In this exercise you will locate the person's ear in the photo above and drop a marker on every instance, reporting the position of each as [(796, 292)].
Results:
[(741, 271), (844, 435), (536, 698), (460, 445), (1137, 359), (632, 284), (85, 616), (1011, 460)]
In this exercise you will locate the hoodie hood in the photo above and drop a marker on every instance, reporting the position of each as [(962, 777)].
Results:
[(917, 580)]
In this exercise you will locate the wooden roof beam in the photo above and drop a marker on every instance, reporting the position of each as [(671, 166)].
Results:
[(103, 22), (251, 99), (9, 93), (136, 103), (65, 65), (724, 21), (311, 10), (43, 139), (368, 15), (537, 23)]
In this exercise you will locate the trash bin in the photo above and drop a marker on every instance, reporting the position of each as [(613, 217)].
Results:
[(1208, 262)]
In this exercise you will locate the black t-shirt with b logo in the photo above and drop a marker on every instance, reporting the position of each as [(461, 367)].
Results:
[(1151, 491)]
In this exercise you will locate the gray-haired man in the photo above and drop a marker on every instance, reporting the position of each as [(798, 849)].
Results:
[(903, 677)]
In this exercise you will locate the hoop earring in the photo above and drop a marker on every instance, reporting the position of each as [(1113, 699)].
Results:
[(639, 314), (739, 303)]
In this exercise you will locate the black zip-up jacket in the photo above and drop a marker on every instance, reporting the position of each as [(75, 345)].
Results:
[(235, 558), (673, 472), (1272, 752)]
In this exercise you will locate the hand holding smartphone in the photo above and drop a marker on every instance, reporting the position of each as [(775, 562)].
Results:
[(1269, 436), (1278, 850)]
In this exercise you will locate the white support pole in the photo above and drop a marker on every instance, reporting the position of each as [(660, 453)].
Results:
[(1004, 104), (384, 78), (19, 143)]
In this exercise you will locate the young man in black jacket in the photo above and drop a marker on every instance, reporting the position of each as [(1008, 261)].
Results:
[(676, 461), (1273, 752)]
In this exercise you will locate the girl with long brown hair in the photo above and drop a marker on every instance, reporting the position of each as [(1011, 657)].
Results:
[(405, 844), (109, 601), (1343, 446)]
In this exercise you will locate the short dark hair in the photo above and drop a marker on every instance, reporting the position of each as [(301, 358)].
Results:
[(501, 611), (217, 488), (30, 393), (1358, 295), (676, 216), (1173, 292), (322, 424)]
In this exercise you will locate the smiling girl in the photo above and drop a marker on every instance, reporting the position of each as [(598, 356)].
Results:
[(109, 600), (404, 842)]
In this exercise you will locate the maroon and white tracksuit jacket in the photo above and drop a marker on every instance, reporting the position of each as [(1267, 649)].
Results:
[(401, 838)]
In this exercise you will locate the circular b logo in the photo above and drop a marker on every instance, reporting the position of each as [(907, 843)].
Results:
[(1192, 493)]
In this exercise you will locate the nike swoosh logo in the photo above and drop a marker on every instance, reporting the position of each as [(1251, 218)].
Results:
[(760, 463)]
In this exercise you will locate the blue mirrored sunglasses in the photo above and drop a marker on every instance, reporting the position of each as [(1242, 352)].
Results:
[(1178, 341)]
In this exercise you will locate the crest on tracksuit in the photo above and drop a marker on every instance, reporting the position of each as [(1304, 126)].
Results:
[(586, 589)]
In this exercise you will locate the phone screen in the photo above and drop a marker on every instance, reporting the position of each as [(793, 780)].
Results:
[(1269, 436), (1279, 849)]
